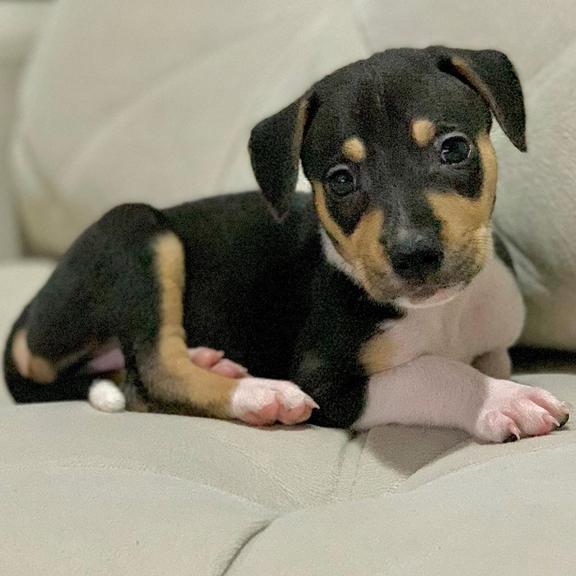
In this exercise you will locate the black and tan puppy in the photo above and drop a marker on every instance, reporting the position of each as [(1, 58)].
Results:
[(378, 295)]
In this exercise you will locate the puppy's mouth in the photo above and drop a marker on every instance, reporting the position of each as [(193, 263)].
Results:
[(427, 297), (412, 295), (441, 287), (434, 290)]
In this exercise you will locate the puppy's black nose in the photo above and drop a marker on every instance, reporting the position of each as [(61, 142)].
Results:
[(416, 257)]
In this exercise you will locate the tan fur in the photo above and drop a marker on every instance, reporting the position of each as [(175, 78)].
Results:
[(169, 373), (42, 371), (29, 365), (423, 131), (353, 149), (322, 210), (21, 353), (376, 354), (118, 377), (466, 221), (463, 68), (134, 402), (362, 249)]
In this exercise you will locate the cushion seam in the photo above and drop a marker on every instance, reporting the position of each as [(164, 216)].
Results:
[(243, 546), (358, 466)]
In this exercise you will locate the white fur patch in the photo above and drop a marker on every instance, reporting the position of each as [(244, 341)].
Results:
[(259, 401), (441, 297), (333, 256), (510, 409), (431, 381), (487, 315), (437, 391), (105, 396)]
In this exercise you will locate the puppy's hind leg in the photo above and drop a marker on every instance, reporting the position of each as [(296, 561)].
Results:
[(172, 383), (123, 281), (79, 309), (34, 378)]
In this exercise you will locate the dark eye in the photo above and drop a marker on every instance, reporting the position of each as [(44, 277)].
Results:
[(454, 149), (340, 180)]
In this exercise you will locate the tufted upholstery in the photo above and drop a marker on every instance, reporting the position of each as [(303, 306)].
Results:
[(91, 493)]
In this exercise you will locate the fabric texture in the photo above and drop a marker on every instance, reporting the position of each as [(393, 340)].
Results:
[(92, 493), (152, 100), (19, 26), (537, 206), (162, 110), (87, 492)]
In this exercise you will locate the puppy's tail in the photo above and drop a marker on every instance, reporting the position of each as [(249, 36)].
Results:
[(106, 396)]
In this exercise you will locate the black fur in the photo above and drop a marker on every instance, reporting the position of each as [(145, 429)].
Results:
[(259, 289), (263, 311)]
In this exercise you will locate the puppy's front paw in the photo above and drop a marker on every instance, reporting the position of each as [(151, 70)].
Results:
[(262, 402), (512, 411)]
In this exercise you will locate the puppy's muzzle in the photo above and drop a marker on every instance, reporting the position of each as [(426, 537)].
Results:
[(416, 257)]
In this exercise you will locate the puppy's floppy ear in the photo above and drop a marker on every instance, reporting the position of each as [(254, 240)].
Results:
[(493, 76), (274, 146)]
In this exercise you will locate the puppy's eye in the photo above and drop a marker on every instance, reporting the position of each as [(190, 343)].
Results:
[(340, 180), (454, 149)]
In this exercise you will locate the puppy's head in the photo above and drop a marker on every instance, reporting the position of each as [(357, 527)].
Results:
[(403, 173)]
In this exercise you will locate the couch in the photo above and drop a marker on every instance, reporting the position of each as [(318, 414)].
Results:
[(104, 102)]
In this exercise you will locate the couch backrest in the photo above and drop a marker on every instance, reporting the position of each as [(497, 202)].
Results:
[(143, 100)]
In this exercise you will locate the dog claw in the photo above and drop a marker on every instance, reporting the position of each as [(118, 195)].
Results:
[(563, 421), (511, 438), (513, 411)]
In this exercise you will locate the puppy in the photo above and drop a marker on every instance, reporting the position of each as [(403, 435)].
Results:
[(380, 295)]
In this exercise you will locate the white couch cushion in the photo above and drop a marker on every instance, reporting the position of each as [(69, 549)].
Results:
[(157, 106), (141, 494), (536, 210)]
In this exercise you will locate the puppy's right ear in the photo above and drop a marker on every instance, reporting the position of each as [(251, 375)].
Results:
[(275, 145)]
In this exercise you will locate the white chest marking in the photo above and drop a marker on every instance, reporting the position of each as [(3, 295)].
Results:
[(487, 315)]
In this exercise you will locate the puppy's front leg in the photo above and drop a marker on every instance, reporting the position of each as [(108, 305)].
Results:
[(496, 363), (436, 391)]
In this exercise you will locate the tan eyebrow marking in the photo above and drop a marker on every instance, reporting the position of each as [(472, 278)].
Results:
[(353, 149), (423, 131)]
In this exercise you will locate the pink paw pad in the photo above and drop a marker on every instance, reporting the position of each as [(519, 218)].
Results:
[(262, 402), (512, 411)]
